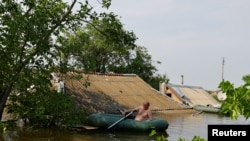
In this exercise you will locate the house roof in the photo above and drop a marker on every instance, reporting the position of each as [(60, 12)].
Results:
[(194, 95), (127, 90)]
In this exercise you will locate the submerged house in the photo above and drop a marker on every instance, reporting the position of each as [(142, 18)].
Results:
[(106, 92), (188, 95)]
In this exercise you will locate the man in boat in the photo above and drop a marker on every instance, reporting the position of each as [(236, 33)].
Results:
[(143, 112)]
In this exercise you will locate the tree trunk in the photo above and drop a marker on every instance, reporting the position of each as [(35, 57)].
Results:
[(4, 94)]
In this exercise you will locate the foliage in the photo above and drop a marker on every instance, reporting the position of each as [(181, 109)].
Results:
[(161, 137), (28, 32), (238, 100), (155, 80), (141, 64), (99, 51), (34, 43), (246, 78), (98, 48), (158, 137), (2, 126), (45, 108), (7, 125), (195, 138)]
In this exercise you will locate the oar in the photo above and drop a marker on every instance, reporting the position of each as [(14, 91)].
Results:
[(119, 120)]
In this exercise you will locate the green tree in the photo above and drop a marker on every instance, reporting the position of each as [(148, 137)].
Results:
[(155, 80), (44, 109), (140, 62), (238, 99), (246, 79), (28, 30), (98, 48), (100, 51)]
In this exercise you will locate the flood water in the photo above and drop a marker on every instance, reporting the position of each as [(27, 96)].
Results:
[(181, 125)]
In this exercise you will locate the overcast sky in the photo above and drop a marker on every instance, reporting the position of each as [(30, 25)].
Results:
[(191, 37)]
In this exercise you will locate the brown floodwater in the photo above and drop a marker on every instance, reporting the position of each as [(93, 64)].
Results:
[(181, 125)]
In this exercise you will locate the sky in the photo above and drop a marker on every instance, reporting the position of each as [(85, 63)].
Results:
[(192, 37)]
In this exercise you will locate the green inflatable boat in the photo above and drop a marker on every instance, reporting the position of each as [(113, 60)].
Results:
[(119, 122)]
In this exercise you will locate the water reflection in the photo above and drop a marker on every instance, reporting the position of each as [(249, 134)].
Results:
[(66, 135), (180, 126)]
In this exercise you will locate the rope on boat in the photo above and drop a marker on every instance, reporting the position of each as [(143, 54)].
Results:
[(197, 113)]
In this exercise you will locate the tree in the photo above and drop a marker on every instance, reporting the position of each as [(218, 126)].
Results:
[(100, 51), (28, 30), (142, 65), (98, 48), (140, 62), (238, 99), (246, 78), (157, 79)]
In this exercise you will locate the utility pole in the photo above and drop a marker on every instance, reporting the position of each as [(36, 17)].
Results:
[(223, 63), (182, 80)]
